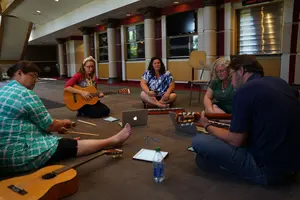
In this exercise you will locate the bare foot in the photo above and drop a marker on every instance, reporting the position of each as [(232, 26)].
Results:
[(161, 105), (123, 135)]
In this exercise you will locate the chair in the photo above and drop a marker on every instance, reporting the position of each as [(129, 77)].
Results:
[(197, 61)]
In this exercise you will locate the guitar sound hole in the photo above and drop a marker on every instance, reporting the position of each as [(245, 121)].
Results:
[(74, 98), (49, 176)]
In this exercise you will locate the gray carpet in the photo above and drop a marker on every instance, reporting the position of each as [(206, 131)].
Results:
[(106, 178), (51, 104)]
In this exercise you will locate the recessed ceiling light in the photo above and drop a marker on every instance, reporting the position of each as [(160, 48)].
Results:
[(38, 11), (56, 0), (176, 2)]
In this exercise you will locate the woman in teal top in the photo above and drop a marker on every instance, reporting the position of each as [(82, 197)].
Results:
[(219, 94)]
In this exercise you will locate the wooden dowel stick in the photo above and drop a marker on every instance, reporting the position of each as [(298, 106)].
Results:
[(81, 133), (89, 123)]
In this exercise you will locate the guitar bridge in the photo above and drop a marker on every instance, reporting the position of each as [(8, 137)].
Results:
[(18, 190)]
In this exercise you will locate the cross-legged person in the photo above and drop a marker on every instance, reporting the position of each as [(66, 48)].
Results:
[(158, 85), (262, 143)]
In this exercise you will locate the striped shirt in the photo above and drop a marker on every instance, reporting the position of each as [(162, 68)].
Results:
[(24, 142)]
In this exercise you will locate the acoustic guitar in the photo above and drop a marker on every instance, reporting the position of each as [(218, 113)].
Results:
[(49, 183), (190, 118), (75, 101)]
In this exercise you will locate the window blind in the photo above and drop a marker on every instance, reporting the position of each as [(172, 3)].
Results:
[(260, 29)]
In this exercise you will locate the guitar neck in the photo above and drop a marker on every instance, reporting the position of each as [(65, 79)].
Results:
[(218, 116), (61, 170), (96, 94), (213, 116), (111, 92)]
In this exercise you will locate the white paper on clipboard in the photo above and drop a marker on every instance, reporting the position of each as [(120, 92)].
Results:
[(147, 155)]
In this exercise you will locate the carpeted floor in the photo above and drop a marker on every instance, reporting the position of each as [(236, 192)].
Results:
[(51, 104), (109, 179)]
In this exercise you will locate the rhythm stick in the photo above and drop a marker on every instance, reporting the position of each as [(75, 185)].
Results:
[(81, 133), (89, 123)]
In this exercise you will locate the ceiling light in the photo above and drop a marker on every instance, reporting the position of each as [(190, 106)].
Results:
[(56, 0), (128, 15), (176, 2), (38, 11)]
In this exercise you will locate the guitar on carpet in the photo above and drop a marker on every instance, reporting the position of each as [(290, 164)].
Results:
[(75, 101), (51, 182)]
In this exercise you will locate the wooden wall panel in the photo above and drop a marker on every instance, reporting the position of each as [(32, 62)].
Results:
[(180, 70), (271, 65), (135, 70), (103, 70)]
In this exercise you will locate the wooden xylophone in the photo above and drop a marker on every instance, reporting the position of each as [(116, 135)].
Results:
[(162, 111)]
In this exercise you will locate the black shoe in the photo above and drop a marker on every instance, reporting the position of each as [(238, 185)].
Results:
[(79, 114)]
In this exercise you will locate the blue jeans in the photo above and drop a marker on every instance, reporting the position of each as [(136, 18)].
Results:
[(215, 155)]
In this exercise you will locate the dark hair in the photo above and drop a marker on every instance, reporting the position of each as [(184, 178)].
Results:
[(162, 69), (248, 62), (23, 65)]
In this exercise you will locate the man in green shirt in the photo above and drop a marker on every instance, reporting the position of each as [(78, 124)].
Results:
[(26, 142), (219, 94)]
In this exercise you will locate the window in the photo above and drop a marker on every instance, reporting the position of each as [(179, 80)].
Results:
[(260, 30), (181, 32), (181, 46), (103, 47), (135, 42)]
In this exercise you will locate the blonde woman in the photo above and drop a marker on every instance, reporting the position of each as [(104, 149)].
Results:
[(83, 78), (219, 94)]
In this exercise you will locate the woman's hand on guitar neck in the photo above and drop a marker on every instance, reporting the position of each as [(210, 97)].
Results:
[(203, 120), (86, 95)]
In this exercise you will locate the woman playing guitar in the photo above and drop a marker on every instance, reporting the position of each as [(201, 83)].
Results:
[(83, 78)]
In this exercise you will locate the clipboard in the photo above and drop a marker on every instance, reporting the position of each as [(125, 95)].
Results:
[(148, 155)]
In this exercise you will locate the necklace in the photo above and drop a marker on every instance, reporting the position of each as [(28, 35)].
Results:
[(89, 82), (223, 87)]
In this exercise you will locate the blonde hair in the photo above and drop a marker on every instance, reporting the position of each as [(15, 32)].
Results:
[(82, 71), (220, 62)]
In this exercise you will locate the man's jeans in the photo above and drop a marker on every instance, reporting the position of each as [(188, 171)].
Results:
[(215, 155)]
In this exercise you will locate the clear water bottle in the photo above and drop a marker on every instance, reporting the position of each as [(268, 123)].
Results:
[(158, 166)]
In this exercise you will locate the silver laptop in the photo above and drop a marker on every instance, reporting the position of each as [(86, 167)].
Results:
[(191, 129), (135, 117)]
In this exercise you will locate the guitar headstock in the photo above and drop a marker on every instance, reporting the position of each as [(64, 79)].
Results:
[(116, 153), (186, 118), (124, 91)]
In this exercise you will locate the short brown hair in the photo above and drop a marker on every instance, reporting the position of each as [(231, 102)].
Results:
[(25, 66), (248, 62)]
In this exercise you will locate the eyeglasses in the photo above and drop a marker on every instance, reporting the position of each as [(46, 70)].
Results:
[(33, 75), (90, 66), (220, 71)]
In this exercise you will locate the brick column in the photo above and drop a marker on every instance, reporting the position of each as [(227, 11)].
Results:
[(209, 29), (86, 31), (149, 22), (112, 57), (61, 60)]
